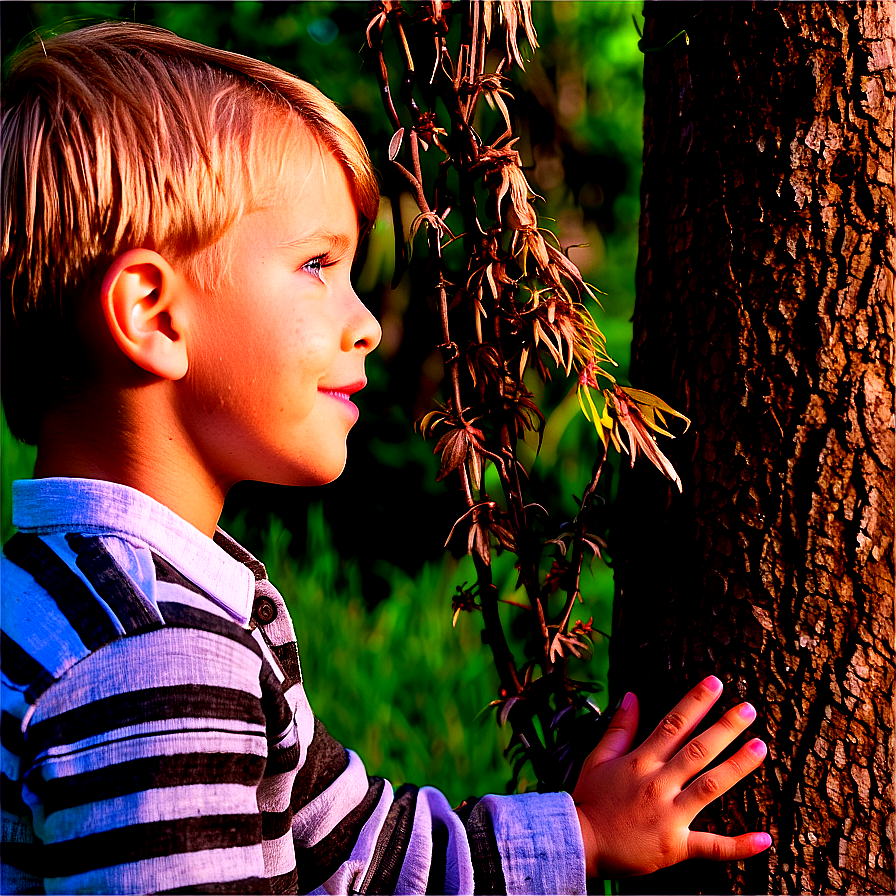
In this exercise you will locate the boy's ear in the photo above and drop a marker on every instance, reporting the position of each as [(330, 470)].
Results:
[(141, 297)]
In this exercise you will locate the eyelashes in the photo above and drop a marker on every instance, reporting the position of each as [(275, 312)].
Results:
[(316, 265)]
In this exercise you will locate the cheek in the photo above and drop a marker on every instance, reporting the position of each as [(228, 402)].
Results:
[(268, 362), (302, 352), (229, 370)]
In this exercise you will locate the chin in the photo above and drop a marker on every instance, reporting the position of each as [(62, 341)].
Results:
[(319, 474)]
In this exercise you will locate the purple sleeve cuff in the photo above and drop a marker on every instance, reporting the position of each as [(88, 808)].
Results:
[(540, 842)]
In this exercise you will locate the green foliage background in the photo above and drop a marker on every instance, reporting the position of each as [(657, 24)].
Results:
[(361, 561)]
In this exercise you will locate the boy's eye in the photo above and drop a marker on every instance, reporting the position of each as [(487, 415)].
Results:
[(315, 265)]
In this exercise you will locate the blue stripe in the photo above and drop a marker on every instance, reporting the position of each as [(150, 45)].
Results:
[(132, 609), (74, 599)]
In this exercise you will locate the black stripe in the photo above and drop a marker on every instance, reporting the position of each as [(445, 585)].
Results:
[(435, 883), (165, 572), (325, 761), (319, 863), (11, 733), (22, 856), (20, 667), (74, 599), (392, 844), (151, 772), (488, 873), (288, 656), (138, 842), (275, 824), (238, 552), (465, 808), (280, 761), (285, 883), (247, 885), (187, 701), (11, 798), (112, 584), (181, 616), (276, 709)]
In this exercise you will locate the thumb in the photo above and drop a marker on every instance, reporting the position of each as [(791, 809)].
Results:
[(620, 734)]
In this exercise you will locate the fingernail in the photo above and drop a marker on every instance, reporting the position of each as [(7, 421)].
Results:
[(758, 747), (746, 711), (763, 841), (628, 701), (712, 684)]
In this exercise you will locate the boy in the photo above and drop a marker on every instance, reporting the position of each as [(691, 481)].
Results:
[(179, 226)]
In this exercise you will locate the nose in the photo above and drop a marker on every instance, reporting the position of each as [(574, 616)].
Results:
[(365, 331)]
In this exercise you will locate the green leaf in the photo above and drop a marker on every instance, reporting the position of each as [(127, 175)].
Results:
[(647, 399)]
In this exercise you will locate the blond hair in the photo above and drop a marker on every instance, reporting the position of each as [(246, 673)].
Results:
[(123, 135)]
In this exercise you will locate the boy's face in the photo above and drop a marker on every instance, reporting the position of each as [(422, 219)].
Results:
[(276, 351)]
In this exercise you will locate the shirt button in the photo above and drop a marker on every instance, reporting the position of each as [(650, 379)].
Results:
[(265, 611)]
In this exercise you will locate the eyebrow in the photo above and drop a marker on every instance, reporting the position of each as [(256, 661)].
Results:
[(338, 242)]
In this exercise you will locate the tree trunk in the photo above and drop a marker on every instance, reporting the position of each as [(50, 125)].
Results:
[(765, 312)]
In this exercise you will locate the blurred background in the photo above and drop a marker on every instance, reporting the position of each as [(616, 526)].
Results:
[(362, 560)]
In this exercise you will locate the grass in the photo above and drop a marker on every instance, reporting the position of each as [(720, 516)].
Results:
[(16, 462)]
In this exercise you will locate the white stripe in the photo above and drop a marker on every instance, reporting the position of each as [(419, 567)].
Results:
[(165, 657), (12, 699), (279, 855), (326, 810), (10, 764), (165, 872), (458, 864), (171, 743), (161, 804), (192, 731), (275, 791), (39, 627), (351, 873), (418, 858)]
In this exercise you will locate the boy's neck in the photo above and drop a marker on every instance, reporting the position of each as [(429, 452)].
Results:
[(79, 443)]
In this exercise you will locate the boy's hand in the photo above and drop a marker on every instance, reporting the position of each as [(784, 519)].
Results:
[(634, 807)]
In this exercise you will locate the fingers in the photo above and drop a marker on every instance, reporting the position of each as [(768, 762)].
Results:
[(717, 780), (726, 849), (695, 755), (668, 736), (619, 736)]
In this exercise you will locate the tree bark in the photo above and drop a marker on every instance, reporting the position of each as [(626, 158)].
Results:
[(765, 312)]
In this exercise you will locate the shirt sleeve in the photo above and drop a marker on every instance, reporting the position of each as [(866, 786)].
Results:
[(538, 839), (151, 769), (354, 834), (144, 763)]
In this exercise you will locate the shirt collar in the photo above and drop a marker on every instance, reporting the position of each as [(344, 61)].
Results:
[(220, 567)]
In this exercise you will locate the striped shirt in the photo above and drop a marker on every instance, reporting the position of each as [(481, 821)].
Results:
[(156, 735)]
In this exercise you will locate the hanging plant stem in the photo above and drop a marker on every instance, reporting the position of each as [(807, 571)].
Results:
[(513, 304)]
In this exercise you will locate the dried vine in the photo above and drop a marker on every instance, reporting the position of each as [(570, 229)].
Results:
[(514, 302)]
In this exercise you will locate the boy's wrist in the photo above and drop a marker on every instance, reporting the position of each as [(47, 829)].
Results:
[(589, 840)]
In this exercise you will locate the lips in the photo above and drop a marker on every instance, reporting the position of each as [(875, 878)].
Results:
[(343, 392)]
